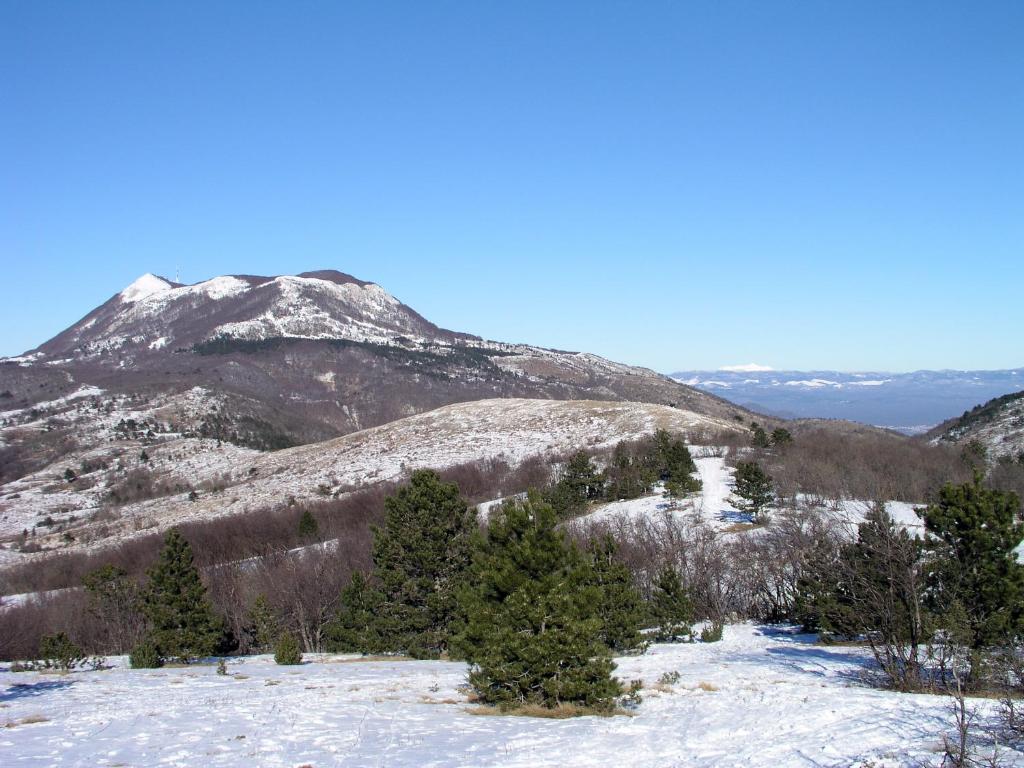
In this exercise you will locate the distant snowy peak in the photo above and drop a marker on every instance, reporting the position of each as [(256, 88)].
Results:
[(746, 368), (155, 315), (147, 285)]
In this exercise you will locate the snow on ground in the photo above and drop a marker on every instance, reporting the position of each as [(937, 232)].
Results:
[(86, 390), (512, 430), (713, 505), (761, 697)]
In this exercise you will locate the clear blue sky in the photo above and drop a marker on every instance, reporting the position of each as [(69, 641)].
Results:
[(673, 184)]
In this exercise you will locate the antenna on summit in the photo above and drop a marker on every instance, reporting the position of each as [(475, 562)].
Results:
[(177, 275)]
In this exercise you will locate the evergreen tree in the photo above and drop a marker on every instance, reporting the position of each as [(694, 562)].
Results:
[(620, 606), (309, 529), (678, 467), (145, 655), (286, 650), (354, 629), (973, 533), (631, 473), (533, 625), (874, 588), (758, 437), (183, 625), (755, 487), (263, 625), (580, 482), (421, 555), (819, 585), (671, 608), (58, 652), (781, 437)]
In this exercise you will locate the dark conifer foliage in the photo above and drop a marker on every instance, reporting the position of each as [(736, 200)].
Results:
[(355, 628), (421, 555), (755, 487), (579, 484), (671, 607), (974, 532), (309, 529), (182, 622), (620, 606), (533, 633)]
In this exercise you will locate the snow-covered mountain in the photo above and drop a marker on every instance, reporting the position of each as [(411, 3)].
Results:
[(313, 355), (909, 402), (272, 362), (154, 313)]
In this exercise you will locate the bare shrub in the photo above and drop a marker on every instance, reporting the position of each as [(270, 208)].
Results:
[(866, 463)]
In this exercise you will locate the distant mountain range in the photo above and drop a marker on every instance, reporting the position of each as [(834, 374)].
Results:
[(909, 402)]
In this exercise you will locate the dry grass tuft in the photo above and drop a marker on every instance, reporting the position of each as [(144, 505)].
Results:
[(26, 721), (709, 687), (739, 527), (363, 659)]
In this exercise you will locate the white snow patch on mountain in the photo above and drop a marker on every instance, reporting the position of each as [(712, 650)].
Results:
[(145, 286), (746, 368), (813, 383)]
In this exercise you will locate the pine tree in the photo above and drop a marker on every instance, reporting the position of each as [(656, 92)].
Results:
[(781, 437), (286, 650), (678, 466), (354, 629), (533, 625), (183, 625), (758, 437), (309, 529), (580, 482), (875, 589), (263, 625), (620, 606), (630, 474), (671, 608), (421, 556), (973, 533), (755, 487)]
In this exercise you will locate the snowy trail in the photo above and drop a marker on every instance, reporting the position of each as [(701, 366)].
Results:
[(761, 697), (717, 482)]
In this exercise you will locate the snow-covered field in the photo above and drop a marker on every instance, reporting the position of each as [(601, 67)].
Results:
[(761, 697), (715, 505)]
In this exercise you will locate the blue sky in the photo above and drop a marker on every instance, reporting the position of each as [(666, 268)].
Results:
[(674, 184)]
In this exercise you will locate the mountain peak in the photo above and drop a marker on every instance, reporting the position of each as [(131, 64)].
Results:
[(334, 276), (746, 368), (145, 286)]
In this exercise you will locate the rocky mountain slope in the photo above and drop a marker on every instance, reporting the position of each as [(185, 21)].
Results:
[(998, 425), (168, 391), (297, 359)]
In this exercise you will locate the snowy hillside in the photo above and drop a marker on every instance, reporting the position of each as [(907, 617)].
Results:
[(998, 425), (762, 696), (231, 480)]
